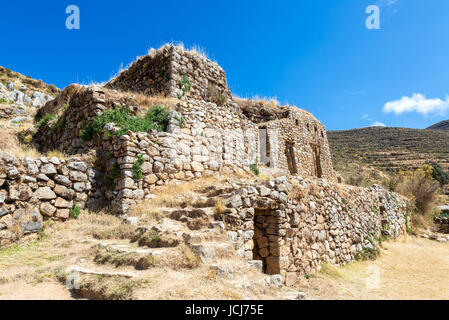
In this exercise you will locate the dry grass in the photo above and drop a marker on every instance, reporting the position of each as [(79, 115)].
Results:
[(10, 143), (412, 269), (194, 50), (144, 102)]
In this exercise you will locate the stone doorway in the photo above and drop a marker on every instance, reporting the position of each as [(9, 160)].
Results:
[(316, 153), (291, 160), (264, 146), (263, 226)]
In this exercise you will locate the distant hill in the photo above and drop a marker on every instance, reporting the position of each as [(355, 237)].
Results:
[(389, 149), (443, 125)]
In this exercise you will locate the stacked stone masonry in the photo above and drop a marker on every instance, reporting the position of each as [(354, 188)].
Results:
[(293, 230), (290, 230), (32, 190), (162, 73)]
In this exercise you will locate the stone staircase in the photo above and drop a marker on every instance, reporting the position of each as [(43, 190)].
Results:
[(193, 227)]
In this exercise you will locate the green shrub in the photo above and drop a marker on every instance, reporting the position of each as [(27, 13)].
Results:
[(255, 169), (392, 182), (45, 120), (220, 99), (75, 211), (439, 174), (112, 176), (155, 119), (137, 168), (3, 101), (185, 85), (87, 133)]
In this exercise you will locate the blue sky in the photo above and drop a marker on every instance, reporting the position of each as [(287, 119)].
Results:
[(316, 54)]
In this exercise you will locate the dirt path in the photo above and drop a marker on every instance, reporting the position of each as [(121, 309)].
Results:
[(412, 269)]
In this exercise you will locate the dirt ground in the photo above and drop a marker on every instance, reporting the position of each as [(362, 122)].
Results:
[(411, 268)]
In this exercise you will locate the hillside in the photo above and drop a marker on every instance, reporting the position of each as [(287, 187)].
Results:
[(389, 149), (21, 97), (443, 125)]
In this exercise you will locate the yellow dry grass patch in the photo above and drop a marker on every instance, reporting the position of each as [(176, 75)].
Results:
[(175, 195), (413, 269), (10, 143), (143, 101)]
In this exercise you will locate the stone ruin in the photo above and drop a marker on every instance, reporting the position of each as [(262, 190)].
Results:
[(209, 132)]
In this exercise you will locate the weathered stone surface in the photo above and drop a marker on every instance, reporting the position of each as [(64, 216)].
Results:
[(62, 213), (45, 193), (48, 169), (77, 176), (61, 203), (64, 192), (47, 209)]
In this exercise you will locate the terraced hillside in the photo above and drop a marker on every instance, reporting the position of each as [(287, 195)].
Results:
[(389, 149), (443, 125)]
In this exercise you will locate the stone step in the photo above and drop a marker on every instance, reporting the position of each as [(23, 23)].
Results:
[(81, 270), (209, 252), (123, 248), (205, 202), (214, 191), (204, 235)]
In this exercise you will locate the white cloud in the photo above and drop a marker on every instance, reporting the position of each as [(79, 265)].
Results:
[(378, 124), (417, 103), (367, 117)]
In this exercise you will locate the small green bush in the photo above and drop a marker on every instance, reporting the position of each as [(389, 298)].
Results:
[(112, 176), (155, 119), (368, 254), (439, 174), (185, 85), (255, 169), (75, 211), (220, 99), (137, 168), (45, 120)]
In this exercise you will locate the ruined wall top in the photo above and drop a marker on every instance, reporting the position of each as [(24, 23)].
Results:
[(175, 72)]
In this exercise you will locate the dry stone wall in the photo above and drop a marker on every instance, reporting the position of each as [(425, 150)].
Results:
[(74, 109), (173, 158), (295, 225), (33, 190), (296, 145), (166, 71)]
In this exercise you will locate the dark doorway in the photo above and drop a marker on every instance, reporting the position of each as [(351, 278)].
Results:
[(264, 237), (316, 153), (291, 160), (264, 146)]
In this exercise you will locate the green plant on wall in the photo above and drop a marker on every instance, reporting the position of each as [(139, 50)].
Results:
[(255, 169), (155, 119), (45, 120), (137, 168), (185, 86), (110, 178), (220, 99)]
